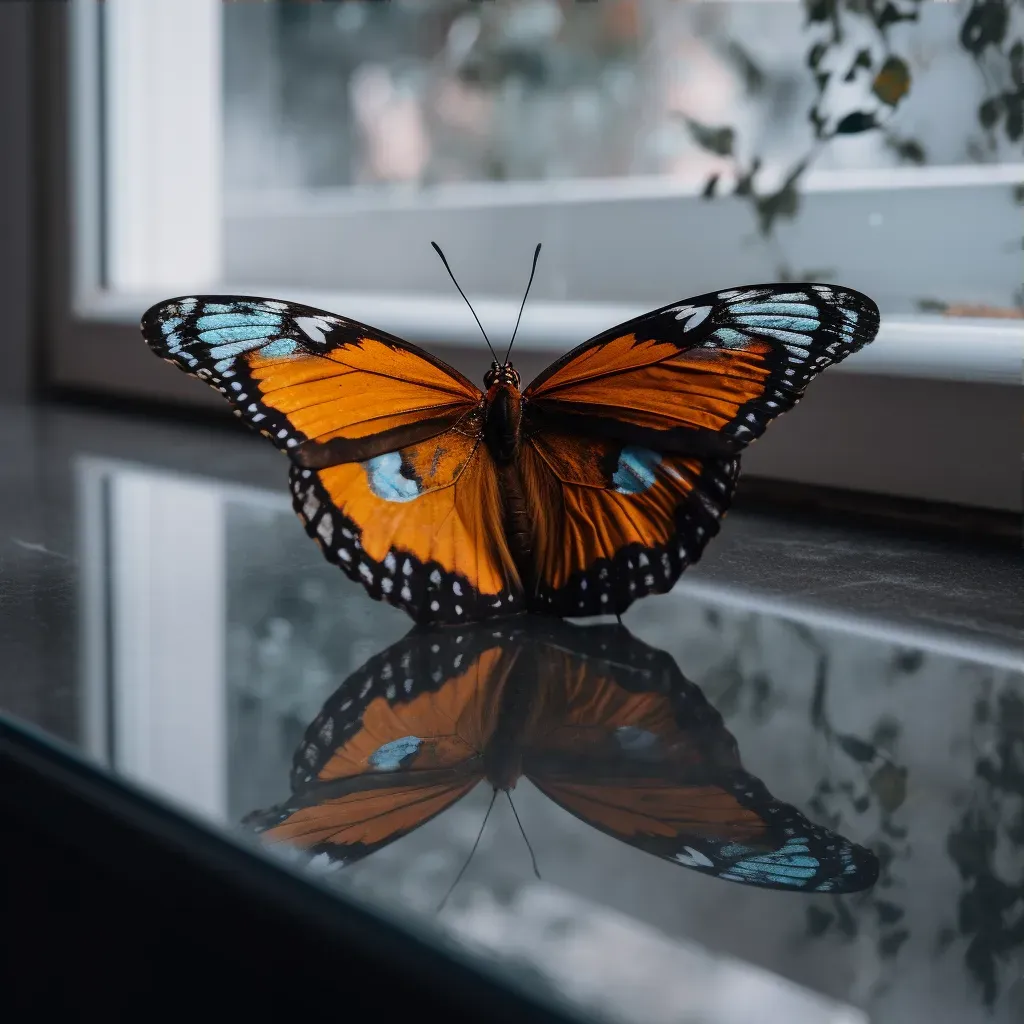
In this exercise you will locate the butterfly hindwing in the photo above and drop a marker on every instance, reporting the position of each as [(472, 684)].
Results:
[(706, 375), (420, 528), (620, 521), (321, 387)]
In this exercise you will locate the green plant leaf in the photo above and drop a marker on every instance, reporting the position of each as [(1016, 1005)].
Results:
[(988, 112), (716, 140), (858, 121), (892, 82), (889, 784)]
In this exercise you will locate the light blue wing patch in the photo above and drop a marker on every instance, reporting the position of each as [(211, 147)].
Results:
[(634, 739), (792, 865), (779, 317), (384, 474), (730, 338), (280, 347), (635, 472), (389, 757), (774, 308), (787, 317)]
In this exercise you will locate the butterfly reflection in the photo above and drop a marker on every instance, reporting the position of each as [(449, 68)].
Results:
[(603, 724)]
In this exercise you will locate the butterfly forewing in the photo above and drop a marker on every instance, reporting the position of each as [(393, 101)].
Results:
[(705, 375), (323, 388)]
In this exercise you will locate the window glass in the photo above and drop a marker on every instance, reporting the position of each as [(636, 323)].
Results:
[(449, 92)]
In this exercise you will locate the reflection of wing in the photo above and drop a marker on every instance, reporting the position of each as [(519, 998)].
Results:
[(399, 742), (420, 528), (618, 521), (706, 375), (323, 388), (630, 746)]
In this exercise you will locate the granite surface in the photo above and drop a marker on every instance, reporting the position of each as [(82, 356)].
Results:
[(161, 608)]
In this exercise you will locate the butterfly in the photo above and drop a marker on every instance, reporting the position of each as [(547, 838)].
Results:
[(598, 484), (603, 724)]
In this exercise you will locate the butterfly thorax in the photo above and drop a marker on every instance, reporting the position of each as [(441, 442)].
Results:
[(504, 410)]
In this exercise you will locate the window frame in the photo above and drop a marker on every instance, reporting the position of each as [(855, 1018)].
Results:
[(957, 402)]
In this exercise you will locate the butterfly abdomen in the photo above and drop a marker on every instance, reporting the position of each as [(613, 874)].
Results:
[(518, 522)]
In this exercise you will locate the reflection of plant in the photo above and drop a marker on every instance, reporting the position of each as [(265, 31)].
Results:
[(873, 786), (886, 79), (991, 909), (882, 788)]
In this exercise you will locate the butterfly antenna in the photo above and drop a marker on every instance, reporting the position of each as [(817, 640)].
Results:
[(468, 303), (536, 255), (533, 856), (479, 836)]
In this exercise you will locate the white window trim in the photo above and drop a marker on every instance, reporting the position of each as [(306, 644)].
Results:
[(163, 129), (152, 630), (95, 345)]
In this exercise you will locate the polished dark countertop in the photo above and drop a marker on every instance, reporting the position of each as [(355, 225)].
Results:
[(157, 597)]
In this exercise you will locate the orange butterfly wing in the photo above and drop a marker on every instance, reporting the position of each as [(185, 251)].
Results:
[(389, 471), (420, 528), (630, 440), (627, 744), (323, 388), (615, 522), (706, 375), (399, 742)]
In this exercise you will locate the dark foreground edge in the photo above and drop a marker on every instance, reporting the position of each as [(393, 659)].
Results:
[(115, 903)]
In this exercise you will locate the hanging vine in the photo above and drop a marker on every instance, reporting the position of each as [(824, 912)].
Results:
[(886, 79)]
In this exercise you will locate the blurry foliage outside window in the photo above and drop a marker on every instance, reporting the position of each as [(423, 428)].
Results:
[(721, 98), (452, 91)]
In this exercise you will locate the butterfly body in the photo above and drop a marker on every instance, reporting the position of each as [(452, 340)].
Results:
[(597, 484)]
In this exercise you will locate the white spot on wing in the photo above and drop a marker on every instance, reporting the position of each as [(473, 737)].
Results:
[(313, 327), (326, 529), (693, 858)]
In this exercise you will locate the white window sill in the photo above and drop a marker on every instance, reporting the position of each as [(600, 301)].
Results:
[(925, 347)]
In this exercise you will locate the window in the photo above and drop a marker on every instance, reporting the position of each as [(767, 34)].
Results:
[(312, 151)]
